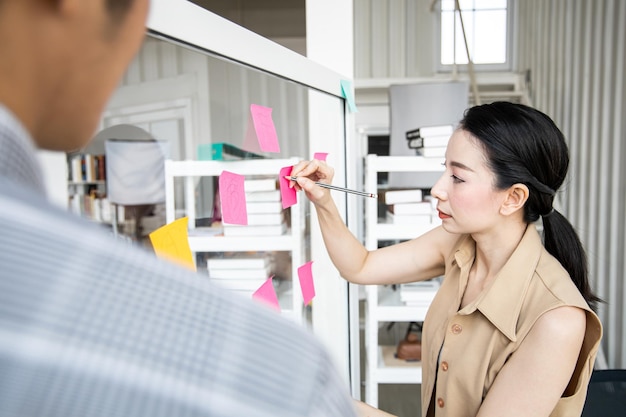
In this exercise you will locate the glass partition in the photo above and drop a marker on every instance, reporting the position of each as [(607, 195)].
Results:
[(191, 86), (198, 104)]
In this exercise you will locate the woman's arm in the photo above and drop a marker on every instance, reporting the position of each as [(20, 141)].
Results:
[(538, 373), (366, 410), (417, 259)]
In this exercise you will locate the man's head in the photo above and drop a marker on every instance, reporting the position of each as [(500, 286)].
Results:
[(61, 61)]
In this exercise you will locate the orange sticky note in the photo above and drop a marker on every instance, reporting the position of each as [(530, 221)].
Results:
[(267, 295), (288, 196), (233, 198), (264, 130), (172, 242), (305, 274)]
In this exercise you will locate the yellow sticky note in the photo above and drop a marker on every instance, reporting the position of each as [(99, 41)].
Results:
[(172, 242)]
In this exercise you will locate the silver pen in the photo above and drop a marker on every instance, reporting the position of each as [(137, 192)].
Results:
[(345, 190)]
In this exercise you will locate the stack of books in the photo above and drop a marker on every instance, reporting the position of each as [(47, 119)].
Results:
[(408, 207), (430, 141), (240, 272), (265, 210), (419, 294), (87, 168)]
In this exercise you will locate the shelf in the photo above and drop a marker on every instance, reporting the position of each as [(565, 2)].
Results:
[(391, 370), (98, 182), (390, 308), (383, 302), (212, 239), (200, 242)]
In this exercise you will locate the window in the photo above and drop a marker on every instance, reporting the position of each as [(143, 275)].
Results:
[(487, 26)]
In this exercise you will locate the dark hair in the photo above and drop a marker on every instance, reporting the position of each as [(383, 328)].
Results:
[(523, 145), (118, 8)]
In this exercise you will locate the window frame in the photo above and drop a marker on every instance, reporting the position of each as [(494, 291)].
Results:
[(511, 43)]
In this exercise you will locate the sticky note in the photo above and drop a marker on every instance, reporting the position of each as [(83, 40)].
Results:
[(305, 276), (347, 91), (233, 198), (267, 295), (172, 242), (288, 195), (320, 156), (264, 129)]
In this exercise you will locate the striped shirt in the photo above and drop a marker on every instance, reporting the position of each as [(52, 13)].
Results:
[(94, 327)]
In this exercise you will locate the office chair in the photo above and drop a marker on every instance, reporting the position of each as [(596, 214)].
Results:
[(606, 396)]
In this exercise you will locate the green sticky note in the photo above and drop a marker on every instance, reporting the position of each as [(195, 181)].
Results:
[(347, 91)]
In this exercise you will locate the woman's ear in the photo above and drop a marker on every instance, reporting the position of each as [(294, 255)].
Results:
[(516, 197)]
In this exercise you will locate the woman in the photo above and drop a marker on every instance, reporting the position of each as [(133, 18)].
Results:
[(511, 331)]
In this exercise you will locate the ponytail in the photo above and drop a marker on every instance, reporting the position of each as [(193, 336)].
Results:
[(562, 242)]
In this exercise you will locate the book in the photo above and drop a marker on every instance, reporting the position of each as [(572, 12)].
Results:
[(76, 174), (259, 273), (271, 195), (413, 219), (419, 293), (263, 219), (244, 285), (428, 141), (222, 151), (260, 184), (232, 230), (423, 207), (432, 152), (260, 207), (436, 130), (403, 196), (239, 261)]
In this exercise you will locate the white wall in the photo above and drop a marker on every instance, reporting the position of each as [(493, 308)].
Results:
[(54, 165)]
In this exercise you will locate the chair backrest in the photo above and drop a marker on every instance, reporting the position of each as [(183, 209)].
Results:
[(606, 396)]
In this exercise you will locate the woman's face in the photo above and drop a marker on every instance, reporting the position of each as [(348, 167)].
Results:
[(468, 201)]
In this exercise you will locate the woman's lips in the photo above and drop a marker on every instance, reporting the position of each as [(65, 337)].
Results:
[(443, 215)]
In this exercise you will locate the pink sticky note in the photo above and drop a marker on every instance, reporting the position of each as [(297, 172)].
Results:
[(306, 282), (320, 156), (288, 195), (233, 198), (266, 294), (264, 128), (251, 143)]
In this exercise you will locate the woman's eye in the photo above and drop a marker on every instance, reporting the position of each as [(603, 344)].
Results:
[(456, 179)]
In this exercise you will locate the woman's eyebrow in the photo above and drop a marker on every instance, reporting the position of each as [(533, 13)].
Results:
[(461, 166)]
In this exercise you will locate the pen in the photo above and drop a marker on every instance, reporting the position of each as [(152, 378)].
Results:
[(345, 190)]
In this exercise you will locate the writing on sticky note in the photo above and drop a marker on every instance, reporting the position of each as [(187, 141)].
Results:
[(264, 128), (320, 156), (348, 94), (171, 242), (233, 198), (266, 294), (288, 195), (305, 275)]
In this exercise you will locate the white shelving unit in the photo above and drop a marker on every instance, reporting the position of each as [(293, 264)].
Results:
[(200, 240), (383, 303)]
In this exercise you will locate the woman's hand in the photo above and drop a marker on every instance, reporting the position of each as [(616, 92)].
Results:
[(309, 172)]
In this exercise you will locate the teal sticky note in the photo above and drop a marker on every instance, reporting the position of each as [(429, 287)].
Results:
[(347, 91), (205, 152)]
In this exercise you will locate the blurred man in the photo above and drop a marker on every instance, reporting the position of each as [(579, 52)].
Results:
[(92, 327)]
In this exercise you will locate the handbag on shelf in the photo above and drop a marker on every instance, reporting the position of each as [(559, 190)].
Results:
[(410, 348)]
